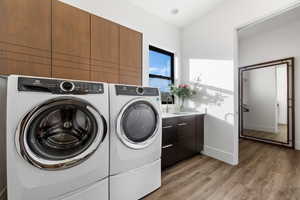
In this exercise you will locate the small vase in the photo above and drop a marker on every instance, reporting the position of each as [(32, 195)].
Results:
[(180, 104)]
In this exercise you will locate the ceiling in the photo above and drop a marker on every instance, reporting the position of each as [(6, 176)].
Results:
[(188, 10), (270, 24)]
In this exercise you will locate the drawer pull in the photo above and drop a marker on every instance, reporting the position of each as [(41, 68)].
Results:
[(167, 146), (182, 124), (166, 127)]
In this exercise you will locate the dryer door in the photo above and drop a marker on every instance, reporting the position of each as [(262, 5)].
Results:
[(60, 133), (138, 124)]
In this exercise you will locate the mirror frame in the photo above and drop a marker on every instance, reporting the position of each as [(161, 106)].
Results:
[(290, 95)]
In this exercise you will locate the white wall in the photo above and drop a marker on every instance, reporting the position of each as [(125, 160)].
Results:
[(212, 37), (281, 75), (282, 41), (260, 90), (155, 31)]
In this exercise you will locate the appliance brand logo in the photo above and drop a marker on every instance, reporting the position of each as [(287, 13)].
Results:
[(37, 82)]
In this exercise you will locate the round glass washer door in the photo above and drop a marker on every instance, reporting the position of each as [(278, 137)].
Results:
[(138, 123), (60, 133)]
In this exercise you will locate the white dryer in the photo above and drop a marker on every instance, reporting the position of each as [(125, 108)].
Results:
[(135, 141), (57, 146)]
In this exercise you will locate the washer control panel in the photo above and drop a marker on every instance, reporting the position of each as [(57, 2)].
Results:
[(67, 86), (59, 86), (136, 91)]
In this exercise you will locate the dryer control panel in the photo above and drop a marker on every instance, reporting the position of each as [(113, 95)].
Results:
[(57, 86), (136, 91)]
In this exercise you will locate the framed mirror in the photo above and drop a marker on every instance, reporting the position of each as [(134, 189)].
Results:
[(266, 102)]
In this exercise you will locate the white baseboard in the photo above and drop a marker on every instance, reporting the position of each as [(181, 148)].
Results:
[(219, 154), (261, 128), (297, 144)]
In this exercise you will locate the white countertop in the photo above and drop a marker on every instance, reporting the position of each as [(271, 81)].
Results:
[(180, 114)]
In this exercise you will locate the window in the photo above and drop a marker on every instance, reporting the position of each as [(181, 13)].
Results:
[(161, 72)]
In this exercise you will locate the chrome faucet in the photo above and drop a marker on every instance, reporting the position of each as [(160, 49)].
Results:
[(168, 98)]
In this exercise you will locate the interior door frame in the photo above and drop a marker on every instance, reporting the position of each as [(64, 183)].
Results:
[(290, 62), (244, 25)]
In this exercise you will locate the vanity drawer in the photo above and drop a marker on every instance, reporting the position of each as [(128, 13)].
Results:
[(168, 156)]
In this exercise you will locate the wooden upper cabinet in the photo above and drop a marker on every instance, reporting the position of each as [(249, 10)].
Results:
[(71, 42), (25, 37), (104, 50), (130, 48), (50, 38), (26, 23), (105, 40), (130, 56)]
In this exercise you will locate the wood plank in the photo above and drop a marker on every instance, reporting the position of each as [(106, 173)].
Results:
[(16, 59), (103, 66), (25, 37), (264, 172), (130, 47), (130, 79), (70, 42), (68, 73), (70, 30), (130, 57), (105, 77), (68, 61), (105, 40), (21, 67), (26, 23)]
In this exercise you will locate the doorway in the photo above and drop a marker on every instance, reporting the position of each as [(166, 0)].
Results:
[(266, 102)]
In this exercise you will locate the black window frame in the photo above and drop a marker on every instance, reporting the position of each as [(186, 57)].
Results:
[(172, 77)]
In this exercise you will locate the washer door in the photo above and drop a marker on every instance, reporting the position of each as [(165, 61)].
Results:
[(60, 133), (138, 123)]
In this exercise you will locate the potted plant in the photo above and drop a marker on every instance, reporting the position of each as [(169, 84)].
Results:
[(182, 91)]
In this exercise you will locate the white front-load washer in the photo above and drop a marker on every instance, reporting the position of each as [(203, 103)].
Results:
[(135, 141), (55, 134)]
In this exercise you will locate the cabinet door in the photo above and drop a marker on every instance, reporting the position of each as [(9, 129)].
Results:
[(169, 142), (199, 133), (104, 50), (130, 57), (71, 42), (25, 37), (186, 137)]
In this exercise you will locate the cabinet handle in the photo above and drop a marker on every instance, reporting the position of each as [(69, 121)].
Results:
[(166, 127), (167, 146), (182, 124)]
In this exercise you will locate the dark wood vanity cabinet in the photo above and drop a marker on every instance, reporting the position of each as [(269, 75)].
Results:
[(182, 138), (199, 129)]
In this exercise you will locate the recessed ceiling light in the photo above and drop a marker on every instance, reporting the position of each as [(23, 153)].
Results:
[(175, 11)]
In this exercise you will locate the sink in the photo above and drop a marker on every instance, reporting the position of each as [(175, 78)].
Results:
[(177, 114), (180, 113), (168, 114)]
